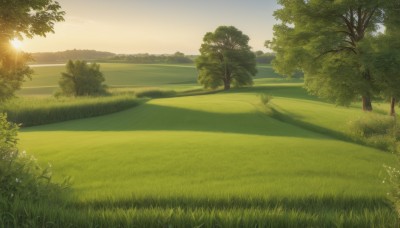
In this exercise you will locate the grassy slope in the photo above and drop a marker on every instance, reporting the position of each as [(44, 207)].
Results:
[(215, 147), (204, 142), (216, 160)]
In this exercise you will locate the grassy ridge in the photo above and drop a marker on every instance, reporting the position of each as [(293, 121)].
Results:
[(213, 160), (38, 111)]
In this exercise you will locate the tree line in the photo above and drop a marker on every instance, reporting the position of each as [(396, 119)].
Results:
[(176, 58), (64, 56)]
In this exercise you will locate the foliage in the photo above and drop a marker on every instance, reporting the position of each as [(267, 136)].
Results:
[(383, 58), (20, 19), (393, 178), (13, 71), (21, 178), (226, 58), (325, 40), (376, 130), (37, 111), (82, 79)]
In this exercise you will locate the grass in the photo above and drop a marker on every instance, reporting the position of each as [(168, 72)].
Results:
[(34, 111), (234, 212), (213, 160), (216, 160), (118, 75)]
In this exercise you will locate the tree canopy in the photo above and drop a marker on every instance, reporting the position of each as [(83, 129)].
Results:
[(326, 41), (226, 59), (82, 79), (19, 19)]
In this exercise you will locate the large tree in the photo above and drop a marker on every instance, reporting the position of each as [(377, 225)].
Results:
[(82, 79), (226, 58), (19, 19), (324, 40)]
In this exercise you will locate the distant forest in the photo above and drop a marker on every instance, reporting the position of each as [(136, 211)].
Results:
[(177, 58), (100, 56), (264, 58), (64, 56)]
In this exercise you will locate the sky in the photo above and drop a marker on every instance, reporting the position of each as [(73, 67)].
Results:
[(153, 26)]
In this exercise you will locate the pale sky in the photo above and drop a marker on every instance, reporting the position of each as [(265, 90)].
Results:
[(153, 26)]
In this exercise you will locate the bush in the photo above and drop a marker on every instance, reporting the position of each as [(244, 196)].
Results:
[(265, 98), (376, 130), (21, 178)]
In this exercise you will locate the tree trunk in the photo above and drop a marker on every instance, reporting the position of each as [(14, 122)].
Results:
[(393, 106), (227, 85), (367, 105)]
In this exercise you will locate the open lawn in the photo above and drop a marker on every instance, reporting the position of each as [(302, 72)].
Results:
[(215, 160)]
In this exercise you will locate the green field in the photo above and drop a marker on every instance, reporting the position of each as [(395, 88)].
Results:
[(130, 76), (213, 160)]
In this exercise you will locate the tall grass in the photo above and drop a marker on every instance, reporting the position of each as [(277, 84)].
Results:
[(312, 211), (38, 111), (376, 130)]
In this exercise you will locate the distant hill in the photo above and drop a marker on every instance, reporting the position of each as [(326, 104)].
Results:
[(64, 56)]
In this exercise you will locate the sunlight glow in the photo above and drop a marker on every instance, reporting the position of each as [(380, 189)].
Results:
[(17, 44)]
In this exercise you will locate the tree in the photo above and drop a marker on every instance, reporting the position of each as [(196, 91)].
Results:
[(82, 79), (259, 53), (324, 40), (225, 59), (18, 19), (384, 58)]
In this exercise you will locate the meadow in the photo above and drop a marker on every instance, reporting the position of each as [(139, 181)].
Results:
[(216, 160), (127, 77)]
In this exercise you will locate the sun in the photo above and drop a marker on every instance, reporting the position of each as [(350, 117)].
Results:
[(17, 44)]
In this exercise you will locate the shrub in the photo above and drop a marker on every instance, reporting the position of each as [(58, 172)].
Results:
[(265, 98), (376, 130), (21, 178)]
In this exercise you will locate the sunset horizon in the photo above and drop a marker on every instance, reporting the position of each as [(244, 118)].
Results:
[(125, 27)]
